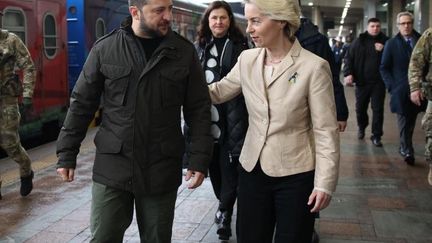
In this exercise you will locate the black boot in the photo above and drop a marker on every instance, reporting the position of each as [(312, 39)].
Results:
[(26, 184), (223, 221)]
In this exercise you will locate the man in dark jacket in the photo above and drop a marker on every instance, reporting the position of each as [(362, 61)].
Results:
[(145, 73), (362, 68), (394, 71), (312, 40)]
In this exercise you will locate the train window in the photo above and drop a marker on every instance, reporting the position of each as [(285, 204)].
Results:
[(175, 26), (72, 10), (100, 28), (14, 21), (50, 36), (191, 35)]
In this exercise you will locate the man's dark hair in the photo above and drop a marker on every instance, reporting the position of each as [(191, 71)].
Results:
[(137, 3), (204, 32), (374, 20)]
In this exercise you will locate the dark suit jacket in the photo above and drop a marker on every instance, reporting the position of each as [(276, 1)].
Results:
[(394, 71)]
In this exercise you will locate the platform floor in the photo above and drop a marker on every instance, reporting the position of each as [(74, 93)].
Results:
[(378, 199)]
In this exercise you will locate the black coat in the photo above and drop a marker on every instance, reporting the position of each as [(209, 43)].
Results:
[(171, 79), (233, 114), (356, 58), (394, 71), (315, 42)]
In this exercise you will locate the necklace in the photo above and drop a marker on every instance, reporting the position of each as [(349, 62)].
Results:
[(270, 60), (274, 61)]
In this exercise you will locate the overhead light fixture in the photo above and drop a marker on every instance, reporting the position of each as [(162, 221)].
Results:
[(310, 3), (344, 14), (385, 4), (340, 30)]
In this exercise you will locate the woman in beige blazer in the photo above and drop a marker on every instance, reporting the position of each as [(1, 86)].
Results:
[(290, 157)]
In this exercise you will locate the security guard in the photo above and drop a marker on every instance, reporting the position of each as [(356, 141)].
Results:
[(420, 80), (15, 56)]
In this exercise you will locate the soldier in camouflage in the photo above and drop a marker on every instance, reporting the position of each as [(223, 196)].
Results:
[(15, 56), (420, 80)]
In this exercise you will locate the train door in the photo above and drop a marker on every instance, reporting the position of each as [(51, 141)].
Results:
[(76, 39), (53, 58)]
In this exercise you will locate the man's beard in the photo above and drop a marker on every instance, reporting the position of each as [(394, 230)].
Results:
[(152, 33)]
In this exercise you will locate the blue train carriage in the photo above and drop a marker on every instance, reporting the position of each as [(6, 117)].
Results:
[(41, 24), (87, 21)]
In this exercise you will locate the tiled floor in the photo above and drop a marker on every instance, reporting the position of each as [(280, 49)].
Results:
[(378, 199)]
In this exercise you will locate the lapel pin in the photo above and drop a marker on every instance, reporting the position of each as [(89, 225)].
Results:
[(293, 78)]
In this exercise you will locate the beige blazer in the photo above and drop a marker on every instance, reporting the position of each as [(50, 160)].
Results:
[(292, 118)]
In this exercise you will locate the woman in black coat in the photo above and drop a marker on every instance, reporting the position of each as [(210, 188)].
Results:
[(219, 43)]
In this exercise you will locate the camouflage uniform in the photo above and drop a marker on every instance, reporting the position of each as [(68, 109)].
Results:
[(420, 77), (14, 56)]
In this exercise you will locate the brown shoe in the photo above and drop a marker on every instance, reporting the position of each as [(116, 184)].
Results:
[(430, 175)]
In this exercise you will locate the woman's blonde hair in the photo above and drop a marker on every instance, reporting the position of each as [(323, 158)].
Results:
[(281, 10)]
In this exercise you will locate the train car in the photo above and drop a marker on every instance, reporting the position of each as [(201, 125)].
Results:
[(41, 24), (87, 21), (90, 20)]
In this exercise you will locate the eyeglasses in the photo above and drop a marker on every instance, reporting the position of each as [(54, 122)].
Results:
[(405, 23)]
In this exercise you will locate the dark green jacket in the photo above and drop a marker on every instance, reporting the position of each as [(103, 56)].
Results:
[(171, 79)]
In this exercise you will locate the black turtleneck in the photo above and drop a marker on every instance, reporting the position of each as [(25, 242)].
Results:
[(220, 42), (150, 45)]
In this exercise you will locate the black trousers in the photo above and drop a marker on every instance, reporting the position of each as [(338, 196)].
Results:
[(406, 124), (224, 177), (265, 202), (374, 93)]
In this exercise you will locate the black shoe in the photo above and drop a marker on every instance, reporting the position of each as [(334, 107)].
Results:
[(26, 184), (315, 236), (361, 134), (409, 159), (223, 225), (376, 141)]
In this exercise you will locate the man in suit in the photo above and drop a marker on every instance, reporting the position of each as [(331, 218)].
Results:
[(394, 71)]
